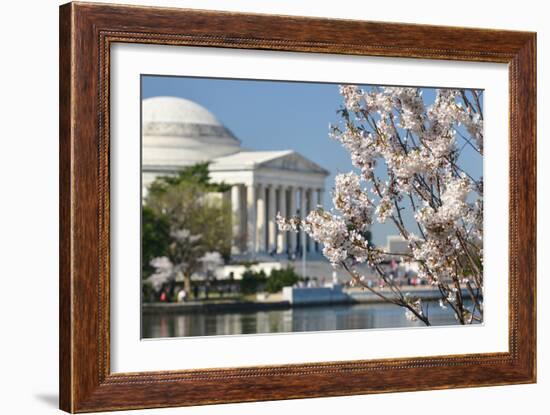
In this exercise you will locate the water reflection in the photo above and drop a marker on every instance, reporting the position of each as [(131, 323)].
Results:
[(343, 317)]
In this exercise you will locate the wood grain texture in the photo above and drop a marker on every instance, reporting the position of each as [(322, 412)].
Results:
[(65, 246), (86, 33)]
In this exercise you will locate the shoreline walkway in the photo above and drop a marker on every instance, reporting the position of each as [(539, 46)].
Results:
[(276, 302)]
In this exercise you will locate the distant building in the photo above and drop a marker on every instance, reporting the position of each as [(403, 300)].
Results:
[(396, 244), (177, 133)]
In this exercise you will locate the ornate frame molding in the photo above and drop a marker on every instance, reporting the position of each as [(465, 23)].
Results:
[(86, 34)]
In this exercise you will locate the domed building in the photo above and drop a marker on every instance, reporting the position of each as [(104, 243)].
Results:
[(178, 132)]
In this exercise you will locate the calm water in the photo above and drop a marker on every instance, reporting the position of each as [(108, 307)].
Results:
[(343, 317)]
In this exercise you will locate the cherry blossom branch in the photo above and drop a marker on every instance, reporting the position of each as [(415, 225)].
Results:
[(416, 144)]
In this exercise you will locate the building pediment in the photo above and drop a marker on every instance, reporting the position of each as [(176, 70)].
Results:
[(273, 160), (294, 162)]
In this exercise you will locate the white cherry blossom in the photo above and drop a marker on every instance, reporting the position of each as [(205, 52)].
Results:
[(417, 147)]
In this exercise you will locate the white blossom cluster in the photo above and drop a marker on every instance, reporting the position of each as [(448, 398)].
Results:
[(385, 209), (408, 152), (352, 97), (340, 240), (446, 111), (410, 105), (168, 269), (442, 221), (415, 305), (164, 272), (352, 201), (184, 236)]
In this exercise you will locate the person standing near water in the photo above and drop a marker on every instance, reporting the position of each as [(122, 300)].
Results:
[(182, 295)]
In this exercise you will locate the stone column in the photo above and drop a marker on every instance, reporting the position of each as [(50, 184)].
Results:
[(303, 214), (291, 212), (281, 206), (271, 212), (309, 208), (320, 197), (251, 219), (320, 202), (236, 219), (260, 219)]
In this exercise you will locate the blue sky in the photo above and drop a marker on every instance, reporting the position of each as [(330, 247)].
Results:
[(278, 115)]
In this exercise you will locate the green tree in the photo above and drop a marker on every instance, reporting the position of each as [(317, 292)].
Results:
[(155, 238), (199, 218), (196, 174), (252, 281), (279, 278)]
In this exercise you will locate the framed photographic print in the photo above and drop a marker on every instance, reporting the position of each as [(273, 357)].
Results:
[(260, 207)]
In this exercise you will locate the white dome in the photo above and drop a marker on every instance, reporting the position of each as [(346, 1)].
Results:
[(178, 132), (172, 109)]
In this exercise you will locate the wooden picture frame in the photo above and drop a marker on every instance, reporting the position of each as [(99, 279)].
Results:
[(86, 33)]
